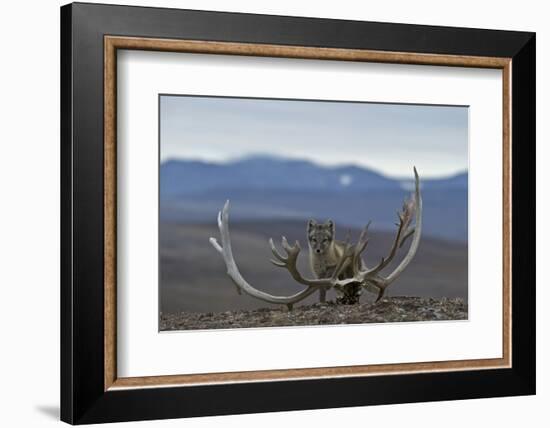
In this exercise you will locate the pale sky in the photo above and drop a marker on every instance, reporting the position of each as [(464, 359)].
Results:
[(388, 138)]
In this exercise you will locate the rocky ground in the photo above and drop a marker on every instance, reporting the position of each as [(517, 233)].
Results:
[(389, 309)]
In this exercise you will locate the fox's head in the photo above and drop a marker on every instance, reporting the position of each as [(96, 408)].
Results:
[(320, 236)]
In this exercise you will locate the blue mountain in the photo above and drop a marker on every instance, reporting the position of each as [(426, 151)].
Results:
[(181, 177), (271, 188)]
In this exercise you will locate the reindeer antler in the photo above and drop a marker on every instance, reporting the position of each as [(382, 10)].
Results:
[(373, 276), (370, 279)]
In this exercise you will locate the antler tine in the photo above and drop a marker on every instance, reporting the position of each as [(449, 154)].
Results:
[(403, 233), (347, 254), (276, 253), (276, 263), (347, 244), (393, 251), (286, 246), (416, 234), (220, 223), (280, 261), (383, 283), (406, 236), (216, 246), (363, 240), (357, 261), (364, 232)]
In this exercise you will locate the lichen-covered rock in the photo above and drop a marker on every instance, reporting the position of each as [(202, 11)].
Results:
[(389, 309)]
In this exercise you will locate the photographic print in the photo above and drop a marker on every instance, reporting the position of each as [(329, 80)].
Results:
[(286, 212)]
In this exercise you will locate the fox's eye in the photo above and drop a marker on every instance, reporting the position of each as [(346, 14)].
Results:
[(314, 240), (325, 240)]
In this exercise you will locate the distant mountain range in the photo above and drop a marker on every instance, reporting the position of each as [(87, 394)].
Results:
[(265, 173), (265, 187)]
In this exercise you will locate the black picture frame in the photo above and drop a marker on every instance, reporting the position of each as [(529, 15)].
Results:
[(83, 397)]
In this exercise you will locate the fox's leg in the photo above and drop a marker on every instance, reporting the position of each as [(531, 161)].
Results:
[(325, 273)]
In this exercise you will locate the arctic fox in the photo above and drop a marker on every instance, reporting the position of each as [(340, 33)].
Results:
[(325, 252)]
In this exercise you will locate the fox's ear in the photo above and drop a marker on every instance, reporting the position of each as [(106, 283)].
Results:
[(331, 226), (311, 224)]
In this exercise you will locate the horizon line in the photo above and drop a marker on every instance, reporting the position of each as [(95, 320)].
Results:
[(321, 165)]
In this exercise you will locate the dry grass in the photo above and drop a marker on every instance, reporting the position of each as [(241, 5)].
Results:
[(389, 309)]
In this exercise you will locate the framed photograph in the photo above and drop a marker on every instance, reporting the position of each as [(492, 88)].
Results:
[(266, 213)]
